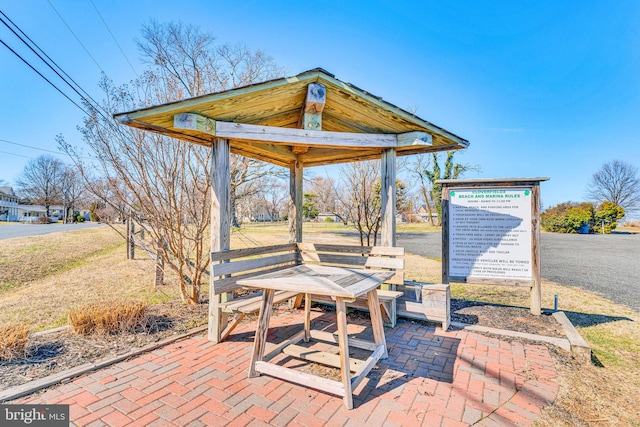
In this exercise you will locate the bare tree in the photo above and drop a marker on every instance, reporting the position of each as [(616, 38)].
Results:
[(418, 169), (275, 196), (358, 197), (40, 181), (325, 194), (191, 65), (617, 182), (160, 182), (72, 187)]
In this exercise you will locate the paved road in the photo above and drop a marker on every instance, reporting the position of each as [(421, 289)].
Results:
[(606, 264), (9, 231)]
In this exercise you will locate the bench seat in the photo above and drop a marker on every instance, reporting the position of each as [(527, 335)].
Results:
[(251, 303), (426, 301)]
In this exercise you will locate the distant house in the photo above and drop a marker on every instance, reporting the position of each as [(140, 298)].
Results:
[(423, 214), (328, 217), (29, 213), (8, 204)]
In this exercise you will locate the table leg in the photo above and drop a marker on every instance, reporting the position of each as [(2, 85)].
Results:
[(343, 342), (307, 317), (260, 340), (376, 320)]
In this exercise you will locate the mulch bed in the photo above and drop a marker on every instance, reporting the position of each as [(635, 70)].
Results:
[(517, 319), (51, 353), (54, 352)]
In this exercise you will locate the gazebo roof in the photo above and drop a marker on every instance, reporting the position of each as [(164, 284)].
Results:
[(279, 121)]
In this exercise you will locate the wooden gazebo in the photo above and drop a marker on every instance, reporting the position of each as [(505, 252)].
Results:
[(310, 119)]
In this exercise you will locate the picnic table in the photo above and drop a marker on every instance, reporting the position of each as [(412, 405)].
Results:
[(343, 284)]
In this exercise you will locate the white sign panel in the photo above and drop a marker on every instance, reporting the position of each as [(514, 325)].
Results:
[(490, 233)]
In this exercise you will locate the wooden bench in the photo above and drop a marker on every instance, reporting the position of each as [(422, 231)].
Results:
[(426, 301), (232, 265), (374, 257)]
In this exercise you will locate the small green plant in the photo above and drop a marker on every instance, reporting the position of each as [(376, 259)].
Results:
[(13, 341), (608, 214), (108, 317), (80, 218)]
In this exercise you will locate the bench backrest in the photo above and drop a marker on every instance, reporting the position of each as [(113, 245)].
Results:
[(232, 265), (375, 257)]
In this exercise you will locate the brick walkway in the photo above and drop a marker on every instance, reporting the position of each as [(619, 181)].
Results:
[(430, 378)]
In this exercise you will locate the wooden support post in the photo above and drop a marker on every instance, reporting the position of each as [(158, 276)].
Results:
[(260, 340), (131, 245), (388, 195), (536, 285), (376, 321), (445, 234), (343, 343), (307, 317), (128, 231), (159, 279), (388, 189), (295, 202), (220, 226)]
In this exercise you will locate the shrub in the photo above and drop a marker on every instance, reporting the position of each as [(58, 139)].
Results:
[(13, 341), (609, 214), (80, 218), (567, 217), (108, 317), (578, 216)]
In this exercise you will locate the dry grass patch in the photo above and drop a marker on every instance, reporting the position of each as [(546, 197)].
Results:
[(13, 341), (108, 317), (45, 302), (24, 260)]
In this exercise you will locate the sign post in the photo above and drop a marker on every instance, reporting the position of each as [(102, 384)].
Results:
[(491, 233)]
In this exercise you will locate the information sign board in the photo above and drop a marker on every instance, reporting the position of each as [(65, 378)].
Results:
[(490, 233)]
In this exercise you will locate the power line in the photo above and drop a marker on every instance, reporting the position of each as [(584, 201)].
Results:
[(14, 154), (43, 60), (41, 75), (74, 35), (94, 104), (62, 153), (44, 53), (32, 147), (113, 37)]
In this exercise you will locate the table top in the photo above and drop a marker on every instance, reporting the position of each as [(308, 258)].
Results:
[(320, 280)]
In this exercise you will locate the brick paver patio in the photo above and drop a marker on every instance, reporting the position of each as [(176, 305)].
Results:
[(431, 378)]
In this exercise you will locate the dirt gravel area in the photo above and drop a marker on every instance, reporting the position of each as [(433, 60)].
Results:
[(495, 316)]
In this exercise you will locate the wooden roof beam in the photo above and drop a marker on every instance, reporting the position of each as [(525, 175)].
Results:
[(303, 137), (411, 139)]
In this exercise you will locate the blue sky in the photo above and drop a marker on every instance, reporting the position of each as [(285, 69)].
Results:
[(540, 88)]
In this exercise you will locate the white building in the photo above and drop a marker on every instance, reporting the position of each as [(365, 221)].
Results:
[(8, 204)]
